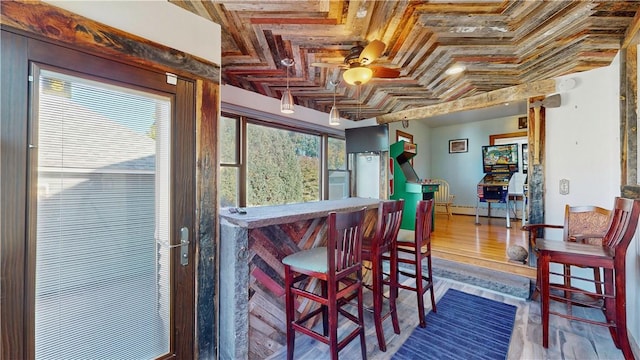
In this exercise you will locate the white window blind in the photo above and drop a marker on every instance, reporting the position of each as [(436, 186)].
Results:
[(102, 279)]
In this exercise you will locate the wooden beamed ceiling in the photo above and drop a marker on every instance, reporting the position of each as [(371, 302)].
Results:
[(502, 44)]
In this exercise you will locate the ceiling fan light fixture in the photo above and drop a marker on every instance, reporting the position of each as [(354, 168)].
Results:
[(357, 75)]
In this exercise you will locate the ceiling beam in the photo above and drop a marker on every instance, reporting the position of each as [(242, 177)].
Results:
[(480, 101), (632, 34)]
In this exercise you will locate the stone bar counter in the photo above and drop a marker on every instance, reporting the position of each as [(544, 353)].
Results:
[(252, 246)]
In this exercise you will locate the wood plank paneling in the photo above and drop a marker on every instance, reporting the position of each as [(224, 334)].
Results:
[(207, 100), (13, 192), (267, 247), (501, 43)]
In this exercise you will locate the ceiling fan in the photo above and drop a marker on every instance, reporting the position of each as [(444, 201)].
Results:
[(357, 64)]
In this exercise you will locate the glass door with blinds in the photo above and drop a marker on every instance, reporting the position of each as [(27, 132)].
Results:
[(103, 219)]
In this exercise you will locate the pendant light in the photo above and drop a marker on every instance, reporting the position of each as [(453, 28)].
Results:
[(334, 114), (286, 103)]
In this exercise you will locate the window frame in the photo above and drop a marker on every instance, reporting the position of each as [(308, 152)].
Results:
[(267, 121)]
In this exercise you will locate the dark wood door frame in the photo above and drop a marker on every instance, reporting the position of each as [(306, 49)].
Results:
[(201, 98)]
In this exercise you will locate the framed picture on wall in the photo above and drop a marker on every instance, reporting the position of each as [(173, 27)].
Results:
[(401, 135), (458, 146), (522, 122)]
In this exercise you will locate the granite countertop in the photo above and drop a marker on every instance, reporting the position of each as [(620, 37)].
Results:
[(260, 216)]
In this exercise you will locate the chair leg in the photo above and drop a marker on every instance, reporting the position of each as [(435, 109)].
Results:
[(363, 345), (333, 322), (290, 312), (420, 286), (325, 310), (543, 266), (393, 290), (621, 313), (377, 301), (536, 288), (616, 310), (430, 272), (610, 305), (567, 284)]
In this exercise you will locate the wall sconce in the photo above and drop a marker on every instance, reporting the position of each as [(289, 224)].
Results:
[(286, 103)]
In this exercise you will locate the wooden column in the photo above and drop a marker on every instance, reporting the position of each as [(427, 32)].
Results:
[(629, 122), (536, 171), (628, 111)]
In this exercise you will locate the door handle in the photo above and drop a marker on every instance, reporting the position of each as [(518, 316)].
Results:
[(184, 246)]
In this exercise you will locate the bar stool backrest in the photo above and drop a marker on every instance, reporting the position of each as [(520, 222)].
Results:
[(623, 226), (423, 222), (344, 243), (388, 225)]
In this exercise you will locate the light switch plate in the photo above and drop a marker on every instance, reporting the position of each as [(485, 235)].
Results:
[(564, 186)]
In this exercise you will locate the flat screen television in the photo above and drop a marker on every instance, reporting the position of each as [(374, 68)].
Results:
[(500, 158), (367, 139)]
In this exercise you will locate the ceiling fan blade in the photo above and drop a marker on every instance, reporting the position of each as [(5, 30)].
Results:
[(328, 65), (371, 52), (384, 72)]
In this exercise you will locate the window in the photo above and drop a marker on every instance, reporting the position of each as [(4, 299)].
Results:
[(283, 166), (229, 160), (269, 163), (337, 168)]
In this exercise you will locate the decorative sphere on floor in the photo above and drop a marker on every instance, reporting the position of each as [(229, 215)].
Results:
[(517, 253)]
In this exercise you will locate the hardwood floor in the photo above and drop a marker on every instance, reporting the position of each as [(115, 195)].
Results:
[(459, 239)]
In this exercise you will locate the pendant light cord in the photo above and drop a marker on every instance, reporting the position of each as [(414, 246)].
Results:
[(359, 102)]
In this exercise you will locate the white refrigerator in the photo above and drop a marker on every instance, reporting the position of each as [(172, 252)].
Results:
[(369, 174)]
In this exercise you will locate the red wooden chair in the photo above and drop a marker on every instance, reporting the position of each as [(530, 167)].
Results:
[(338, 267), (610, 257), (418, 246), (373, 250), (585, 224)]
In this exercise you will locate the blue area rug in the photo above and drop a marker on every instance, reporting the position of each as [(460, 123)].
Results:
[(465, 327)]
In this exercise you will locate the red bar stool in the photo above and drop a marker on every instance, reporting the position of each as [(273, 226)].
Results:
[(338, 267), (611, 257), (418, 246), (373, 250)]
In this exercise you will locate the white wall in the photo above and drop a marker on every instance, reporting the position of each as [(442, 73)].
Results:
[(583, 145), (463, 171)]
